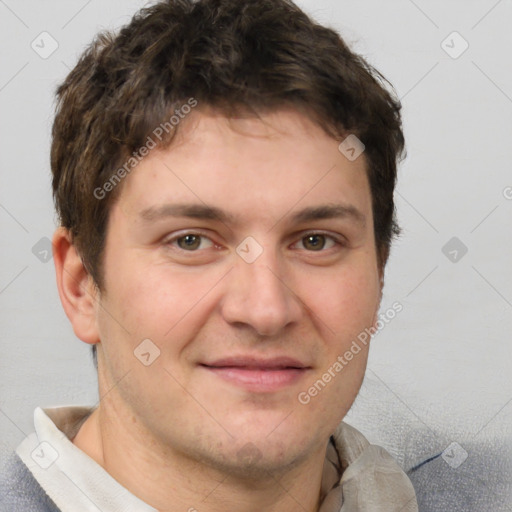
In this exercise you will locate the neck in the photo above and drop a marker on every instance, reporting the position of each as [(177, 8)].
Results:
[(170, 481)]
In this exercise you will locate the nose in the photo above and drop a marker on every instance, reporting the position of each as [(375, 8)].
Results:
[(260, 295)]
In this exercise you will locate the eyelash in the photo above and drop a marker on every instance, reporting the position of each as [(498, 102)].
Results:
[(338, 241)]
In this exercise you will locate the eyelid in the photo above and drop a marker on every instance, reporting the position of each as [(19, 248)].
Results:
[(169, 240), (338, 239)]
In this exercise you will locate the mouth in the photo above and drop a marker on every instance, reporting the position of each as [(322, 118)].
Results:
[(258, 375)]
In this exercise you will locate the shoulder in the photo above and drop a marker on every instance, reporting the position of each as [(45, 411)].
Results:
[(473, 476), (20, 491)]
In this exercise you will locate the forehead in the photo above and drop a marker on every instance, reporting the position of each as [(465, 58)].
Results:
[(253, 168)]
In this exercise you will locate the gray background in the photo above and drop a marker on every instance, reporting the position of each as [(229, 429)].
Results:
[(442, 367)]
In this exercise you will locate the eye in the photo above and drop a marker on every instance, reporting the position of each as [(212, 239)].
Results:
[(318, 242), (190, 242)]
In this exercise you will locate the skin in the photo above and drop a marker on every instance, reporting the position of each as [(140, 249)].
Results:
[(175, 434)]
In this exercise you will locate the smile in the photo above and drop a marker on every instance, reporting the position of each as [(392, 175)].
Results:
[(259, 376)]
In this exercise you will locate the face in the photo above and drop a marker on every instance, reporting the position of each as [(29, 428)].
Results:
[(245, 253)]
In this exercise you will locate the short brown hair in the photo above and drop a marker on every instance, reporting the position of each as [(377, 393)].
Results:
[(232, 55)]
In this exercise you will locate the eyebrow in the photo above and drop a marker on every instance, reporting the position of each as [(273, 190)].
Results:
[(205, 212), (330, 211)]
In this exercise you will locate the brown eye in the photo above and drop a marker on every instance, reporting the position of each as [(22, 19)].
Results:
[(189, 242), (318, 242), (314, 242)]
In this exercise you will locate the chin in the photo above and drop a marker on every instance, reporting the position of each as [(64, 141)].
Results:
[(261, 459)]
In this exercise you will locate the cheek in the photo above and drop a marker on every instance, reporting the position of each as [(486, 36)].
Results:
[(155, 300), (343, 307), (151, 302), (345, 302)]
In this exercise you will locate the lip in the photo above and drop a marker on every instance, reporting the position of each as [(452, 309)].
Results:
[(258, 375), (254, 362)]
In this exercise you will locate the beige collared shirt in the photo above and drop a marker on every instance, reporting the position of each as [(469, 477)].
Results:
[(357, 476)]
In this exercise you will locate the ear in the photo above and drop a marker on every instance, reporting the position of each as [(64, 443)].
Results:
[(77, 291)]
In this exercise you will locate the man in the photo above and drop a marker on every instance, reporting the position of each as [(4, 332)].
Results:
[(223, 171)]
